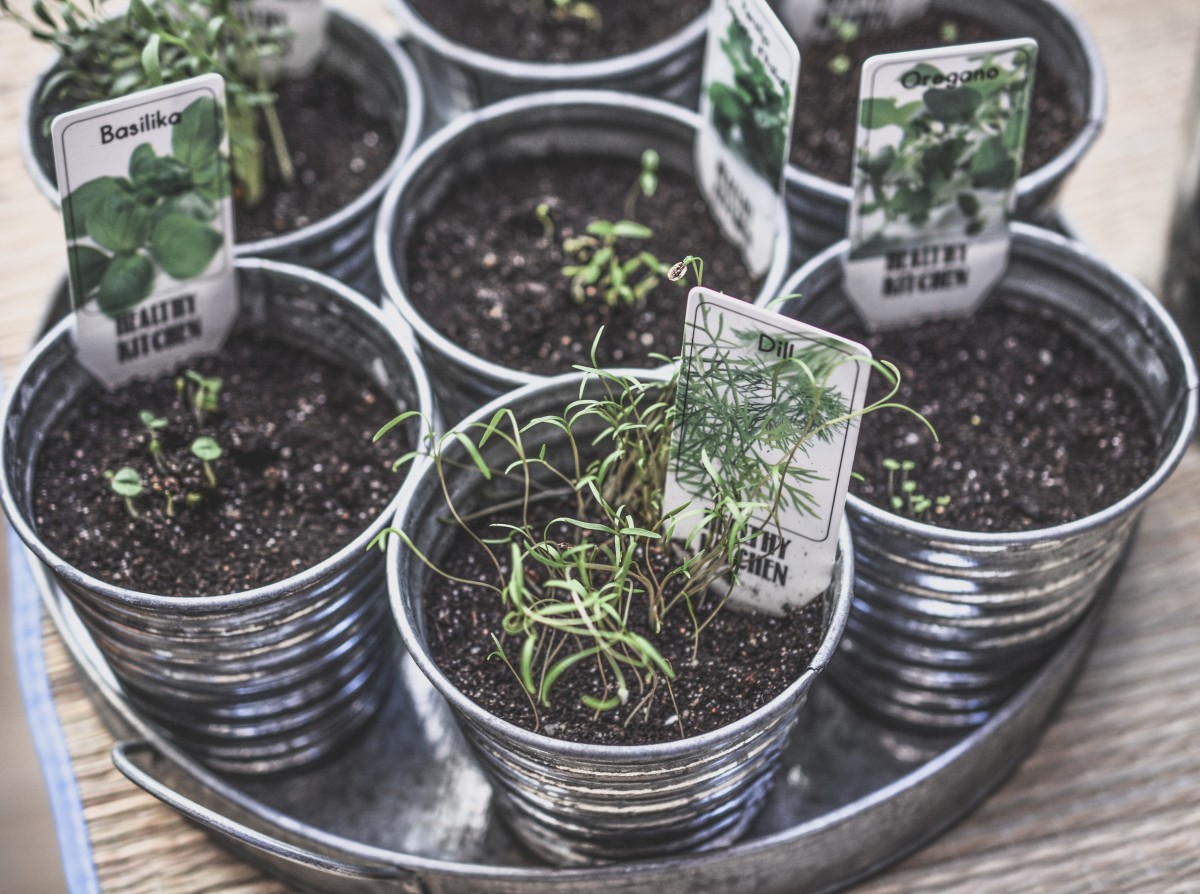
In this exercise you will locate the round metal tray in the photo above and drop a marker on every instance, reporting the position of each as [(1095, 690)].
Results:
[(405, 809)]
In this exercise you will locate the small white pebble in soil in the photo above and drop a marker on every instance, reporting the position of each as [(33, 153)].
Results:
[(370, 138), (490, 260), (672, 720), (647, 339), (358, 165)]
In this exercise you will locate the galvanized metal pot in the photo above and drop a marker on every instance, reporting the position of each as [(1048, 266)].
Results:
[(818, 208), (577, 803), (459, 78), (265, 679), (387, 87), (524, 129), (947, 624)]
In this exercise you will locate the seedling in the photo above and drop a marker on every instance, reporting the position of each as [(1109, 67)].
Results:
[(568, 11), (542, 212), (646, 183), (601, 269), (201, 393), (207, 451), (948, 32), (126, 483), (904, 495), (846, 32), (153, 425)]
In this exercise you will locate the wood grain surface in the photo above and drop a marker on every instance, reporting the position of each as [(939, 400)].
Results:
[(1109, 801)]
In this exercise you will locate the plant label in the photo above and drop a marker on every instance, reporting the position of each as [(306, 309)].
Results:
[(821, 19), (144, 181), (746, 108), (300, 25), (766, 417), (941, 135)]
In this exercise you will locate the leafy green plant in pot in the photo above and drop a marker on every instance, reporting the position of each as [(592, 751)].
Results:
[(1069, 102), (472, 54), (348, 124), (229, 588), (583, 642), (498, 240), (1061, 405)]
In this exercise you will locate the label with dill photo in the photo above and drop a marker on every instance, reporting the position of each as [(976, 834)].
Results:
[(941, 136), (747, 102), (145, 186), (765, 431), (300, 28)]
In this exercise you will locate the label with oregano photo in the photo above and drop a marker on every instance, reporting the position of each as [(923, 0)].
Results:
[(941, 136), (144, 181), (766, 415), (747, 103)]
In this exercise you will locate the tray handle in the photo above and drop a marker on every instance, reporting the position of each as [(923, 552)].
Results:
[(384, 877)]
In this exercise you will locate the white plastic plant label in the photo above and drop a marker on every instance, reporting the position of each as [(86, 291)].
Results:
[(759, 392), (747, 103), (941, 135), (300, 26), (144, 181), (819, 19)]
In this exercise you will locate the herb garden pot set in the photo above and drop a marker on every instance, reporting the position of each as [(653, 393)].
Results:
[(385, 103), (275, 673)]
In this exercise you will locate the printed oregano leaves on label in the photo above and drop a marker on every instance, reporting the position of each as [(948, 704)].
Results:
[(940, 140), (148, 218)]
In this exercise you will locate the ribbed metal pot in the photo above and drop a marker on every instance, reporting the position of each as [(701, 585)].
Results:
[(946, 624), (818, 208), (525, 129), (269, 678), (387, 86), (577, 803), (459, 78)]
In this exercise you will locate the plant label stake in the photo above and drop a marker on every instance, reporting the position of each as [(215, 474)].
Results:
[(746, 110), (941, 134), (820, 19), (766, 413), (146, 205), (301, 24)]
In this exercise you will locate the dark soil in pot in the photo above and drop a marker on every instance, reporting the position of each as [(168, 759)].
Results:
[(299, 478), (1034, 429), (482, 271), (337, 150), (744, 661), (826, 109), (515, 29)]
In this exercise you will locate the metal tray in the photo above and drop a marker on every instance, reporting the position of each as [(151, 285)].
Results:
[(405, 809)]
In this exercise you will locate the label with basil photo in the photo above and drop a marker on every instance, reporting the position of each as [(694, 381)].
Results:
[(747, 103), (941, 136), (766, 426), (145, 186)]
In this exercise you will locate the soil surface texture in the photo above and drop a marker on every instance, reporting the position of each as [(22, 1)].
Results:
[(824, 129), (484, 271), (743, 662), (299, 476), (338, 153), (1034, 429), (532, 31)]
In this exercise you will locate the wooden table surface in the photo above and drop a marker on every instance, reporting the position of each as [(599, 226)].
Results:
[(1110, 799)]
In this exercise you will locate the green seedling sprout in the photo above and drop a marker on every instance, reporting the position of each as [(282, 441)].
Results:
[(207, 451), (542, 212), (948, 32), (601, 269), (904, 494), (202, 392), (846, 33), (646, 183), (569, 11), (126, 483), (153, 425)]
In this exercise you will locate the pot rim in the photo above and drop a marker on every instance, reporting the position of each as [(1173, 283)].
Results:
[(1027, 237), (339, 20), (414, 26), (839, 612), (515, 108), (1039, 179), (224, 601)]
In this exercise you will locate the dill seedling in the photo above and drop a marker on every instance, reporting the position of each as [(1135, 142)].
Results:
[(600, 268), (904, 495)]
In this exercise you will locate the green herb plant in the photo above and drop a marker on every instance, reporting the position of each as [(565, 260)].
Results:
[(105, 55), (159, 218), (845, 32), (904, 494), (958, 145), (593, 586), (751, 112)]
